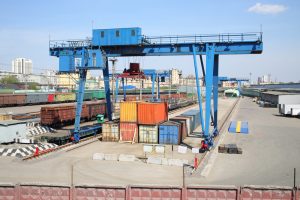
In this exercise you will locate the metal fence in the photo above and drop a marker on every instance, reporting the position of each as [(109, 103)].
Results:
[(21, 192)]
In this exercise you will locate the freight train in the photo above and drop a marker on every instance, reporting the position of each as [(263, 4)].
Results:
[(32, 98), (57, 116)]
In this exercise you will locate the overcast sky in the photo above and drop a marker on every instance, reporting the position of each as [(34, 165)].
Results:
[(25, 27)]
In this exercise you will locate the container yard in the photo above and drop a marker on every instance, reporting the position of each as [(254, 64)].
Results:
[(142, 110)]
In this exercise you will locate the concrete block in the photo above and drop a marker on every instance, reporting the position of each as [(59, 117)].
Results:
[(127, 158), (154, 160), (182, 149), (113, 157), (195, 150), (177, 162), (239, 151), (164, 161), (98, 156)]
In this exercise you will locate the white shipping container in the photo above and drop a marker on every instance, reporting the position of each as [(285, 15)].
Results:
[(110, 131), (287, 108), (148, 134), (296, 111)]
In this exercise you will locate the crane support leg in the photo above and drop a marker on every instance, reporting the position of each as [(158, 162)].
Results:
[(80, 94), (107, 91), (210, 53), (153, 87), (117, 90), (158, 90), (124, 90), (203, 73), (215, 92), (198, 89)]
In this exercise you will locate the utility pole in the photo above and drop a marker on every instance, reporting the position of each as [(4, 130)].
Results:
[(113, 61)]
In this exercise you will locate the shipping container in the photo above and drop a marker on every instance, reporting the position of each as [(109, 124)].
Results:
[(5, 116), (128, 112), (12, 99), (170, 133), (187, 120), (36, 98), (195, 118), (152, 113), (110, 131), (148, 134), (128, 132), (184, 128), (50, 98)]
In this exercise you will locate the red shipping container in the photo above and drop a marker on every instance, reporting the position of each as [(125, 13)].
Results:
[(128, 132), (50, 98), (152, 113)]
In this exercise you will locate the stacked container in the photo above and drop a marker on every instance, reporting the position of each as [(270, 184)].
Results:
[(195, 121), (128, 122), (170, 133), (184, 126), (110, 131), (149, 116)]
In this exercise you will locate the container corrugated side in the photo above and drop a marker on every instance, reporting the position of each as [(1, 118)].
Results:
[(188, 122), (170, 133), (129, 132), (148, 134), (110, 132), (152, 113), (128, 111), (184, 128)]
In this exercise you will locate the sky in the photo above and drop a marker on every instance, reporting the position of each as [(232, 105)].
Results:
[(26, 26)]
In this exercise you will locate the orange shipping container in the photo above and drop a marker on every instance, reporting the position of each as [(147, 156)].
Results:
[(128, 132), (152, 113), (128, 111)]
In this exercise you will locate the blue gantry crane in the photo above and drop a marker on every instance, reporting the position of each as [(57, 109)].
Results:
[(238, 80), (125, 42)]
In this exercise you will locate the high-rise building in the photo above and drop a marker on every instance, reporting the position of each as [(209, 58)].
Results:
[(22, 66)]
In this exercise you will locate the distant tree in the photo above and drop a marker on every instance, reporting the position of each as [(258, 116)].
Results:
[(9, 79), (33, 86)]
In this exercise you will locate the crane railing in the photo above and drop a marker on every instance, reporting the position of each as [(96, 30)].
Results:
[(205, 38), (179, 39)]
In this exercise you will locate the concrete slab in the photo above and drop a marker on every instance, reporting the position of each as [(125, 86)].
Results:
[(270, 151)]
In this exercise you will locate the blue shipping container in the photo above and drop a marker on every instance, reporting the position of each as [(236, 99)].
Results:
[(195, 118), (170, 133)]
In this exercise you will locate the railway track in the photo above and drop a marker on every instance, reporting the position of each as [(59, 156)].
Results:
[(45, 152)]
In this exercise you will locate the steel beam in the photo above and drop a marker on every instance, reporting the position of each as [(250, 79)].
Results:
[(107, 91), (198, 90), (209, 85), (124, 90), (203, 73), (215, 92), (80, 94)]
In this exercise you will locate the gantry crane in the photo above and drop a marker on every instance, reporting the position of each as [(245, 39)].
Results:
[(126, 42), (238, 80)]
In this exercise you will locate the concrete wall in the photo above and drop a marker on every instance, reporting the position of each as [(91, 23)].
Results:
[(19, 192)]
